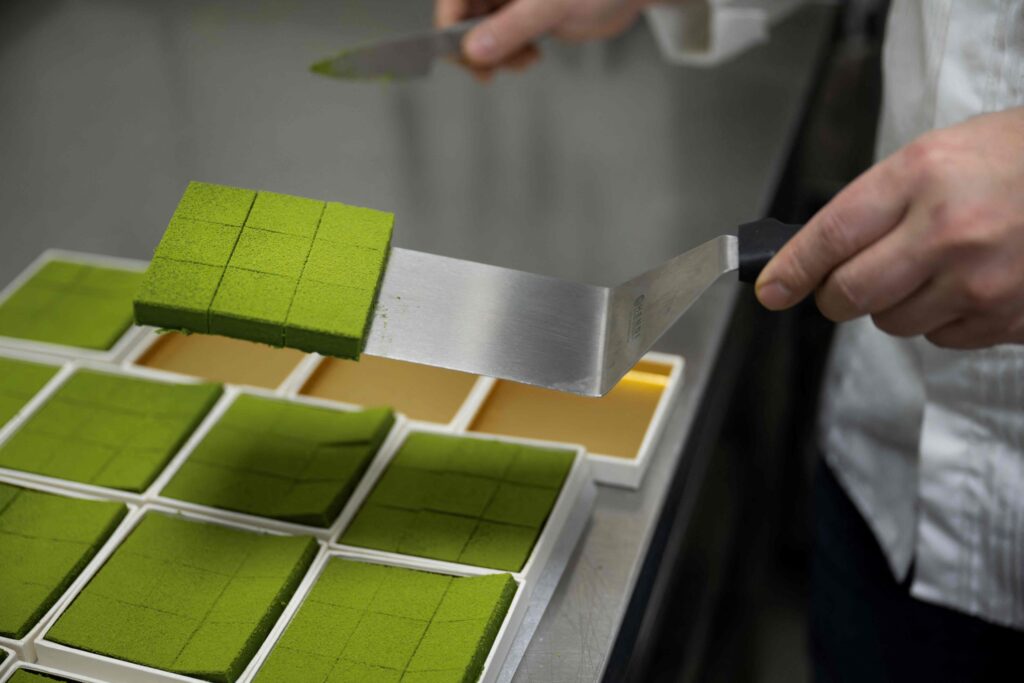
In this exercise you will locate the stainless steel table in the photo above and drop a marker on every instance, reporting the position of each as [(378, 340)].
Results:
[(599, 163)]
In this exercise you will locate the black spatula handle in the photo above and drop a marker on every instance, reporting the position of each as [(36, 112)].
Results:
[(758, 242)]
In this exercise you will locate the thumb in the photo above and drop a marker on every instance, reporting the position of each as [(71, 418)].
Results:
[(515, 25), (859, 215)]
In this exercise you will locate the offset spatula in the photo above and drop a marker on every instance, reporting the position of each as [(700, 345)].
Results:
[(544, 331), (410, 56)]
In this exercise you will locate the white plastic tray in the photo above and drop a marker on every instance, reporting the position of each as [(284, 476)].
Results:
[(564, 528), (630, 472), (231, 394), (120, 348), (8, 663), (109, 669), (568, 499), (78, 678), (151, 337), (44, 395), (42, 359), (542, 587), (607, 469), (611, 469), (495, 657), (460, 421), (24, 648)]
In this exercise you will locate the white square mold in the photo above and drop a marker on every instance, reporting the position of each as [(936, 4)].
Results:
[(615, 470), (573, 497), (9, 661), (61, 368), (121, 347), (8, 430), (303, 374), (48, 670), (112, 670), (495, 656), (231, 394), (24, 648)]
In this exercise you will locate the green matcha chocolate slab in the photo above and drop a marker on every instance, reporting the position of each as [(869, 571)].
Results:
[(368, 622), (178, 294), (356, 226), (71, 304), (465, 500), (108, 430), (215, 203), (272, 253), (286, 214), (19, 382), (199, 242), (188, 597), (329, 319), (268, 267), (251, 305), (47, 540), (287, 461)]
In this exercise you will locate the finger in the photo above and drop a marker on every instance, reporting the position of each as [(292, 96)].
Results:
[(926, 310), (523, 59), (879, 276), (512, 27), (970, 333), (866, 209), (448, 12), (479, 73), (483, 76), (616, 19), (478, 8)]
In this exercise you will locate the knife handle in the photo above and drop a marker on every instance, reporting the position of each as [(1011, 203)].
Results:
[(758, 242)]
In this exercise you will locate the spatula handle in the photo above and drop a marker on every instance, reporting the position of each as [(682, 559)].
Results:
[(758, 242)]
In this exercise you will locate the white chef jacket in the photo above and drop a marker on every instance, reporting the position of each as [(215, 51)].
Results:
[(929, 443)]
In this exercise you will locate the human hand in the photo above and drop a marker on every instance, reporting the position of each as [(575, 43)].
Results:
[(507, 39), (929, 241)]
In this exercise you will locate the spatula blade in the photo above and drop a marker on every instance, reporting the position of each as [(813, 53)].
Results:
[(490, 321)]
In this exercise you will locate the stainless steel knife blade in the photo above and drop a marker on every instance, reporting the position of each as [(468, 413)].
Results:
[(407, 57)]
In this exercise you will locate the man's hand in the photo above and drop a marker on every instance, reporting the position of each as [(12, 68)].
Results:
[(506, 39), (929, 241)]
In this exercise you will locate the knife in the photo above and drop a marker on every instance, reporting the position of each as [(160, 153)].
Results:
[(407, 57), (544, 331)]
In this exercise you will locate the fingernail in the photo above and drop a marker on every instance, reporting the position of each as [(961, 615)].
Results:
[(774, 294), (481, 45)]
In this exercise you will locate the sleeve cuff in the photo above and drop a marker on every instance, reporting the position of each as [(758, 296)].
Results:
[(709, 32)]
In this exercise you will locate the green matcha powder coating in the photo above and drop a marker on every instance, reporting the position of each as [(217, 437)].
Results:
[(19, 382), (47, 539), (188, 597), (459, 499), (283, 460), (71, 304), (108, 430), (268, 267), (368, 623)]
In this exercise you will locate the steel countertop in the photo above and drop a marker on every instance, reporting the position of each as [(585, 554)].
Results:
[(596, 165)]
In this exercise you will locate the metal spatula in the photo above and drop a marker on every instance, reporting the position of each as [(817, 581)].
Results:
[(540, 330)]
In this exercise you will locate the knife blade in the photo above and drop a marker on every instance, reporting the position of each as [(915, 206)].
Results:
[(401, 58)]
